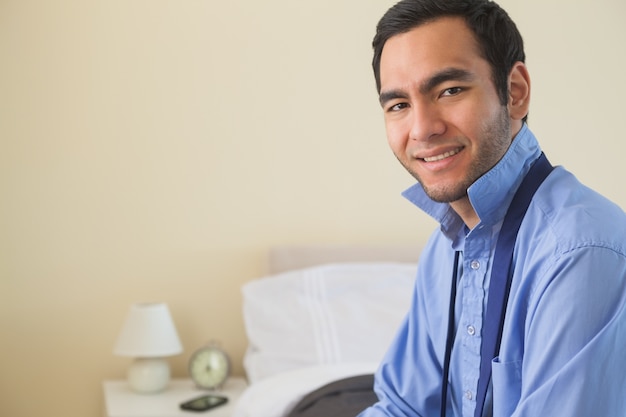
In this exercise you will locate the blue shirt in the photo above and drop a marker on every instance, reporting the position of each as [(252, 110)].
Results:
[(563, 350)]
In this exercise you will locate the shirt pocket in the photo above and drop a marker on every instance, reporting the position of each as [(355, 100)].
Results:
[(506, 378)]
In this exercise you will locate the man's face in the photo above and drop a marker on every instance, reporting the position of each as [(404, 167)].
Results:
[(444, 120)]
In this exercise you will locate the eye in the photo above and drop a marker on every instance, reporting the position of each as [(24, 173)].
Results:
[(452, 91), (397, 107)]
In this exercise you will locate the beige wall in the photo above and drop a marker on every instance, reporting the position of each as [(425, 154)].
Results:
[(154, 150)]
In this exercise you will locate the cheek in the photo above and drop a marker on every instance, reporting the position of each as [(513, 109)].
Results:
[(396, 138), (465, 116)]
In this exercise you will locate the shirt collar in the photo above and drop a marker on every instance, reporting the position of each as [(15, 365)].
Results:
[(491, 194)]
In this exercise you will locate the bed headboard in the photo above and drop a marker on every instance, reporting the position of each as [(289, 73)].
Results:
[(286, 258)]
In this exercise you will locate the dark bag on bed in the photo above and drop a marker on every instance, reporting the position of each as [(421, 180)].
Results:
[(343, 398)]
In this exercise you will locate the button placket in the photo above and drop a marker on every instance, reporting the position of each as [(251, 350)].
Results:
[(472, 323), (469, 395)]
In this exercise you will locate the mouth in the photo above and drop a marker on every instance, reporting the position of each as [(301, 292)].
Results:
[(444, 155)]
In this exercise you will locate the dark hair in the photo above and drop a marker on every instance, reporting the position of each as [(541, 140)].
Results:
[(498, 38)]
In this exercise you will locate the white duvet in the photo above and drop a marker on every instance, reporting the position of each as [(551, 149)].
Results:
[(275, 396)]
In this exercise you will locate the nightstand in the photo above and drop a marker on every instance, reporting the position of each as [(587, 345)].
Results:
[(120, 401)]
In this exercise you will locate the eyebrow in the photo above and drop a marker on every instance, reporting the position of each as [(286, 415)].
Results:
[(386, 96), (447, 74)]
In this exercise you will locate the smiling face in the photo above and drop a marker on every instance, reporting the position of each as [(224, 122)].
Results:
[(444, 120)]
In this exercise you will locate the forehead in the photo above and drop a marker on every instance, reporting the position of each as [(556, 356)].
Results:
[(443, 43)]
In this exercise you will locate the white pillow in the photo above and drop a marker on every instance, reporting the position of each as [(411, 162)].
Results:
[(324, 315)]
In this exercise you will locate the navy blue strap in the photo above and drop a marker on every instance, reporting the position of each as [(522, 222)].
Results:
[(501, 274), (450, 338)]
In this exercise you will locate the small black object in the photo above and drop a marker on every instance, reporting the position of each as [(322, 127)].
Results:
[(203, 403)]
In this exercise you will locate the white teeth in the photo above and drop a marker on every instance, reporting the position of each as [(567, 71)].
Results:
[(442, 156)]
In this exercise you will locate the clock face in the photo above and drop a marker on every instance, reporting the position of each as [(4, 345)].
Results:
[(209, 367)]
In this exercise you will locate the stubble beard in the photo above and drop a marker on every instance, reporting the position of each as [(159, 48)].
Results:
[(496, 139)]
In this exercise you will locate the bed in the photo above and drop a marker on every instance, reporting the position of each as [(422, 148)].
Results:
[(318, 324)]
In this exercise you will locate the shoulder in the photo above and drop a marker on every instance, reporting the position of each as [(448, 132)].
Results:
[(570, 235), (572, 244), (573, 216)]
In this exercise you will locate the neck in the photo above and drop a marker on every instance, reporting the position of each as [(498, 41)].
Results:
[(464, 209)]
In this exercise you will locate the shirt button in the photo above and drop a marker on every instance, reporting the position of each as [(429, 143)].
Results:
[(468, 395), (471, 330), (475, 265)]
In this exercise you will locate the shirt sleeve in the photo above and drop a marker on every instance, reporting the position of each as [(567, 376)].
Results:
[(408, 381), (571, 358), (401, 390)]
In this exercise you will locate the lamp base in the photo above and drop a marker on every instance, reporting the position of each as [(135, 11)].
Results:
[(149, 375)]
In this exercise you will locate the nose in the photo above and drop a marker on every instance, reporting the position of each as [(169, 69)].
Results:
[(426, 121)]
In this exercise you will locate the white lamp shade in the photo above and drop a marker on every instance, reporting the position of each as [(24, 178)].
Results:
[(148, 332)]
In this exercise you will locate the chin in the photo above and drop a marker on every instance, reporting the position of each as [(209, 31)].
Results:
[(446, 194)]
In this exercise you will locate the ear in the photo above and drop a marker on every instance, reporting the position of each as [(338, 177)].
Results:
[(519, 91)]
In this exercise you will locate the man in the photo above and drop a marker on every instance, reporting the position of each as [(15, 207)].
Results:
[(455, 95)]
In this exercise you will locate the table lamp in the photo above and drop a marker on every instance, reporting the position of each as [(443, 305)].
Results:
[(149, 336)]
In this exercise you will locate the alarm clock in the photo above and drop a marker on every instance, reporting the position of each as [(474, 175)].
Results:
[(209, 367)]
